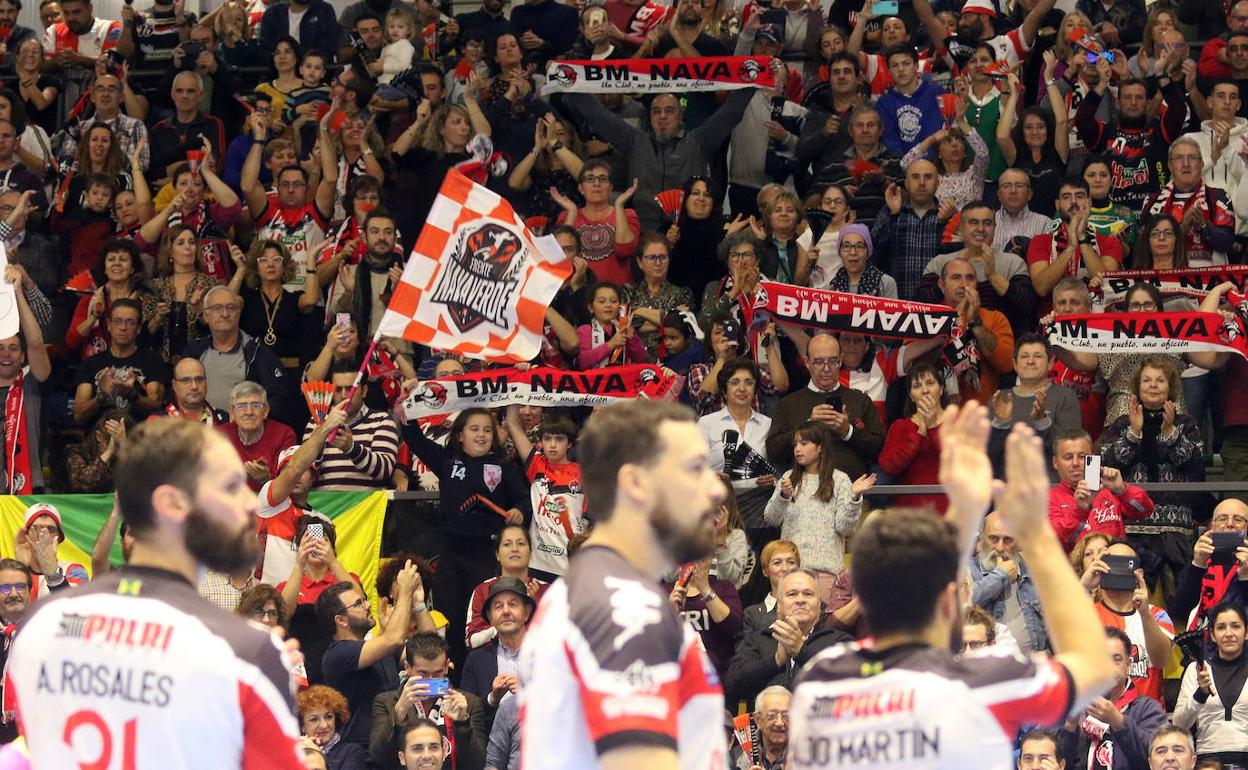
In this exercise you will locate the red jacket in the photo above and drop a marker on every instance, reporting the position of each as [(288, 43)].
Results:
[(1107, 514)]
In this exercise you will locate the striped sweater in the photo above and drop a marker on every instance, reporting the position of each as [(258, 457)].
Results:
[(371, 460)]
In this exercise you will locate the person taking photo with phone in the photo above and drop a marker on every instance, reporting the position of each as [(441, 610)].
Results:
[(1207, 578), (1123, 604), (1079, 505)]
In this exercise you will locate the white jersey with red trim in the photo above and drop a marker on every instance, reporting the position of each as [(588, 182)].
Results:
[(104, 35), (300, 230), (608, 664), (137, 670), (920, 708), (275, 525)]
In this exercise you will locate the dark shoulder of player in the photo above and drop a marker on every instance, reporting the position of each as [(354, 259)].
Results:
[(621, 613)]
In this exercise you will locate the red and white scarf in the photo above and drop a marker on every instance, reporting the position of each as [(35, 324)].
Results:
[(17, 439)]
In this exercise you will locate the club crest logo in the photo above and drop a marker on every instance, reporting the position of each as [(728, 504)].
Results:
[(562, 75), (480, 280), (431, 394), (750, 70)]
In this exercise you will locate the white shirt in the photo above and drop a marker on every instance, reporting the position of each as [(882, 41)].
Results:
[(713, 426)]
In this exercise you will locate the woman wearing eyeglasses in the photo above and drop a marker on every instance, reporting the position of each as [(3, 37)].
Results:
[(271, 313), (835, 202), (654, 295), (857, 274)]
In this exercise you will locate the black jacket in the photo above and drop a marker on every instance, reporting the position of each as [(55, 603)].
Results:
[(753, 667), (262, 366), (383, 744)]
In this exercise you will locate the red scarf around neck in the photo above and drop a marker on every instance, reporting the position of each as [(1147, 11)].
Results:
[(17, 439)]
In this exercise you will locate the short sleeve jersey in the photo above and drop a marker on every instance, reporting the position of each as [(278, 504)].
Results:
[(558, 511), (1145, 673), (607, 664), (136, 669), (920, 708), (104, 35), (299, 230)]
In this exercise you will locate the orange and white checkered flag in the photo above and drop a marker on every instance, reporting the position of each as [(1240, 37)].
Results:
[(477, 282)]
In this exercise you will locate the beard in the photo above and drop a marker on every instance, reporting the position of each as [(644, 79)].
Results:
[(219, 548), (685, 541)]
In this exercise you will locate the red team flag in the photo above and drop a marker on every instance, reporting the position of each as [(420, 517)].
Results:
[(478, 282)]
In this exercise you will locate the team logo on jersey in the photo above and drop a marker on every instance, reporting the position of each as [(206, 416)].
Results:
[(750, 70), (480, 279), (493, 475), (633, 607), (562, 75)]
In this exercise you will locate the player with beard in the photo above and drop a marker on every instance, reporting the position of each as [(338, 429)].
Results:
[(611, 677), (136, 669)]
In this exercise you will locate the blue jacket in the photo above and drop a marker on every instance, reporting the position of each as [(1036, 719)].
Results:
[(909, 120), (990, 592), (318, 28), (262, 366)]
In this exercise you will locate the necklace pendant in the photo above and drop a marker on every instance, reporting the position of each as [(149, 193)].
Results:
[(270, 338)]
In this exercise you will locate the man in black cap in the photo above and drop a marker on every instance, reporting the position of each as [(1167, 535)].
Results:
[(491, 672)]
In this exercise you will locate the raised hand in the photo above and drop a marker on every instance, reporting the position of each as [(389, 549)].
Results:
[(862, 485), (965, 470), (1023, 499)]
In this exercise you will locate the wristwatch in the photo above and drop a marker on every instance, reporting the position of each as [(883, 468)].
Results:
[(710, 595), (975, 323)]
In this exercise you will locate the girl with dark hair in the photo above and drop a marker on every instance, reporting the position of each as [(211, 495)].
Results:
[(1104, 216), (911, 453), (1161, 246), (480, 493), (817, 506)]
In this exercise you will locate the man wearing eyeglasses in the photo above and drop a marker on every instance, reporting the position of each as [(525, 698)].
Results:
[(850, 413), (231, 356), (106, 95), (1212, 26), (190, 386), (126, 376), (771, 714), (16, 581), (258, 440), (1203, 212)]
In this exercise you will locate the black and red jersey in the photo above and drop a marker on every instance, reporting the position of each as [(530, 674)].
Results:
[(136, 669), (608, 664), (921, 708)]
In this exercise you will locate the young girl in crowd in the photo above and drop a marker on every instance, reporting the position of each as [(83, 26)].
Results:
[(608, 339), (399, 51), (682, 344), (817, 506)]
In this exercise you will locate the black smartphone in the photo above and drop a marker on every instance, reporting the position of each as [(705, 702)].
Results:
[(1121, 575), (835, 402), (1225, 544)]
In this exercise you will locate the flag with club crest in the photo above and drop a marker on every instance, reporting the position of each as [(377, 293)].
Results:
[(478, 282)]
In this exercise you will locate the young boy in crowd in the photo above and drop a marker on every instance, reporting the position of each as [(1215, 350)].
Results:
[(558, 502)]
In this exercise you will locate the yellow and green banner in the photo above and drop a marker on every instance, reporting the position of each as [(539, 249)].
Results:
[(358, 518)]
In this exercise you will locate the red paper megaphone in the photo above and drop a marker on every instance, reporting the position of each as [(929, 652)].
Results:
[(670, 201), (537, 224), (949, 107), (858, 168)]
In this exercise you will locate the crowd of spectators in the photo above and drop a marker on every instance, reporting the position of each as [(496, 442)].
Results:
[(196, 241)]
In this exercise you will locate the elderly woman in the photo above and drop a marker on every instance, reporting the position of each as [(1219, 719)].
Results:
[(272, 314), (654, 295), (322, 714), (857, 274), (1152, 442)]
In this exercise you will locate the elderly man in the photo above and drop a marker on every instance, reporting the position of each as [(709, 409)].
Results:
[(907, 230), (16, 583), (125, 376), (190, 387), (1016, 223), (186, 129), (665, 154), (257, 439), (363, 453), (980, 347), (1117, 728), (850, 414), (230, 355), (1003, 587), (1205, 580), (771, 714), (36, 545), (491, 671), (424, 658), (1001, 277), (774, 654), (1204, 213), (131, 133)]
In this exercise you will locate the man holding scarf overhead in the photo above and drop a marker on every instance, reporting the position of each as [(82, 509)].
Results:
[(23, 366)]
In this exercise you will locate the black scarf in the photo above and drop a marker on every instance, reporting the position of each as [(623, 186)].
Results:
[(363, 300), (1149, 449), (868, 282)]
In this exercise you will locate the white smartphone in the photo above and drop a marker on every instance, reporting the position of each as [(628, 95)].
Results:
[(1092, 472)]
